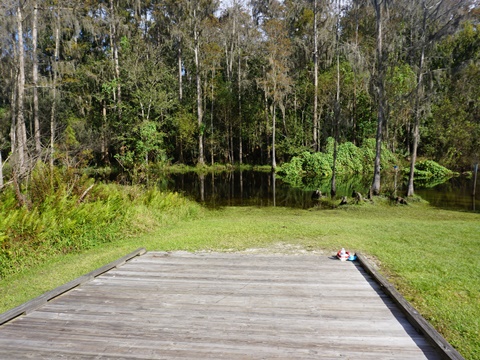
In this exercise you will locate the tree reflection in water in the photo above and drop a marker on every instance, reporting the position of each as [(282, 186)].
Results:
[(255, 188)]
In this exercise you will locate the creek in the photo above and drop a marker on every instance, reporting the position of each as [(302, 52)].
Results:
[(254, 188)]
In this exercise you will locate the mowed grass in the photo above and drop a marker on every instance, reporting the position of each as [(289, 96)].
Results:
[(432, 256)]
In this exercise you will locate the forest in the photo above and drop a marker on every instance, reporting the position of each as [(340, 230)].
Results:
[(128, 84)]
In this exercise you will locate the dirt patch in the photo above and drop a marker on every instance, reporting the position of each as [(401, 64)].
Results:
[(284, 249)]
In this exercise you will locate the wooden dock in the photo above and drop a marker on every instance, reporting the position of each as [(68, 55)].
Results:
[(218, 306)]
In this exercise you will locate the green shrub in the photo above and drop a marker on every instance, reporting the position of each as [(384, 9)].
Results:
[(368, 151), (426, 169), (62, 217), (318, 163), (350, 160), (292, 171)]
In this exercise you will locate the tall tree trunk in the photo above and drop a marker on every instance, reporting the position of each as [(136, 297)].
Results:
[(240, 141), (54, 90), (375, 189), (333, 189), (284, 118), (104, 146), (354, 110), (13, 101), (418, 98), (274, 162), (354, 106), (196, 50), (316, 145), (116, 63), (21, 131), (180, 70), (265, 111), (36, 121), (212, 156)]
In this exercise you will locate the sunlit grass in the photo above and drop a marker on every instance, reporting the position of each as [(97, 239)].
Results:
[(431, 255)]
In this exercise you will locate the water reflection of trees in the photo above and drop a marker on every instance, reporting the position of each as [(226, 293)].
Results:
[(252, 188)]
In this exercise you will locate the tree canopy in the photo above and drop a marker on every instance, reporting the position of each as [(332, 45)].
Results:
[(126, 83)]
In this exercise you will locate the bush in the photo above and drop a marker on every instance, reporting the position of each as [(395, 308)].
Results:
[(368, 150), (427, 169), (62, 217), (319, 163), (350, 160)]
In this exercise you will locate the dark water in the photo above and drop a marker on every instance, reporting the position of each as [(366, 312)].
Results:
[(252, 188)]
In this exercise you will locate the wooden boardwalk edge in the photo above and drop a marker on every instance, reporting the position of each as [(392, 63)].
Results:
[(444, 348), (46, 297)]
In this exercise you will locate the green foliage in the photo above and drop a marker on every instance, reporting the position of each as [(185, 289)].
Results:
[(317, 163), (150, 141), (186, 125), (451, 134), (430, 168), (401, 80), (112, 101), (350, 160), (148, 146), (147, 105), (366, 117), (388, 158), (65, 214)]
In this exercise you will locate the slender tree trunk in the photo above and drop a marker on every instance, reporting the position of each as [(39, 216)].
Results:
[(316, 145), (284, 118), (116, 62), (36, 121), (354, 106), (180, 70), (267, 120), (354, 111), (416, 136), (21, 131), (333, 190), (54, 91), (196, 50), (418, 97), (13, 101), (378, 149), (104, 149), (117, 75), (240, 141), (274, 162), (375, 190), (211, 120)]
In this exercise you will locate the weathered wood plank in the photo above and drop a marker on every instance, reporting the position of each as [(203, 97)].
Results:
[(44, 298), (233, 306)]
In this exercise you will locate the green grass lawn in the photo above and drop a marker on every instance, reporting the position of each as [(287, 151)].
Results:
[(432, 256)]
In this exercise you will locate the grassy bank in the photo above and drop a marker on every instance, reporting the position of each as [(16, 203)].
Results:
[(430, 255)]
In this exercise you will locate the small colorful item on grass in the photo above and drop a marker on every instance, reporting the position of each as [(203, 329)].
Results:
[(345, 255)]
